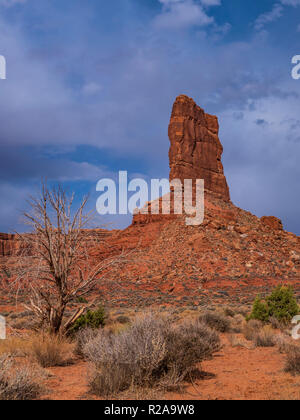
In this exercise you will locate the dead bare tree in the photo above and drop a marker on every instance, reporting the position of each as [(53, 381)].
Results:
[(59, 269)]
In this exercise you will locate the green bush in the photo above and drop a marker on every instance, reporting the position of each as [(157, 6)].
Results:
[(91, 319), (259, 311), (280, 305)]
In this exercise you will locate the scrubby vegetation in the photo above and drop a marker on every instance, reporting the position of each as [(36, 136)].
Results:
[(292, 364), (43, 349), (51, 350), (19, 382), (251, 329), (280, 305), (259, 311), (265, 337), (151, 352), (91, 319), (216, 321)]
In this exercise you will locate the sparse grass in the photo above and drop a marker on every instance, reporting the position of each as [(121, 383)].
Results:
[(19, 382), (49, 350), (251, 328), (237, 324), (216, 321), (152, 352), (236, 341), (16, 346), (265, 337)]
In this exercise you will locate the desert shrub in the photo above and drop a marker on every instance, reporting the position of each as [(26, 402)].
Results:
[(280, 305), (276, 324), (251, 328), (259, 311), (19, 382), (91, 319), (125, 359), (188, 344), (217, 322), (265, 337), (229, 312), (83, 337), (237, 323), (50, 350), (292, 364), (284, 344), (152, 351), (122, 319)]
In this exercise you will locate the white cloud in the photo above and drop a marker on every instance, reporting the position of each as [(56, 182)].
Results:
[(178, 14), (275, 13), (269, 17)]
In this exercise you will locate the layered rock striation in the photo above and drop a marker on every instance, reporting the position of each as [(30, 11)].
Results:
[(196, 150)]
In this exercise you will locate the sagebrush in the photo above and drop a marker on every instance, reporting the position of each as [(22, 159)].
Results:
[(19, 383), (216, 321), (152, 351)]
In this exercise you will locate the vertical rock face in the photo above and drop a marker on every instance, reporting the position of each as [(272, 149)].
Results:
[(196, 150), (8, 245)]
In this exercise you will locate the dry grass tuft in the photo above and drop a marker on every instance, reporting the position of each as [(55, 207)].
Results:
[(265, 337), (251, 329), (15, 346), (236, 341), (51, 350)]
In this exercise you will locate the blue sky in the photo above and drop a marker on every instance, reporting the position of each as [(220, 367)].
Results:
[(90, 86)]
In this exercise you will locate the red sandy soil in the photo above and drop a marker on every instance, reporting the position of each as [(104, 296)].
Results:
[(68, 383), (236, 373)]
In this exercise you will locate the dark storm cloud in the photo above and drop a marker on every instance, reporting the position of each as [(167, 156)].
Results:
[(112, 86)]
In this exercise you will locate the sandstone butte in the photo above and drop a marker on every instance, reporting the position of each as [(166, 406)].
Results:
[(230, 258)]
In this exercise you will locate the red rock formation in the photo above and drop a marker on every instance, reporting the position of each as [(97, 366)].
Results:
[(8, 245), (231, 257), (272, 222), (196, 150)]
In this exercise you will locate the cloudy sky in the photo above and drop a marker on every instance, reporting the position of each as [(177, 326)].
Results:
[(90, 86)]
